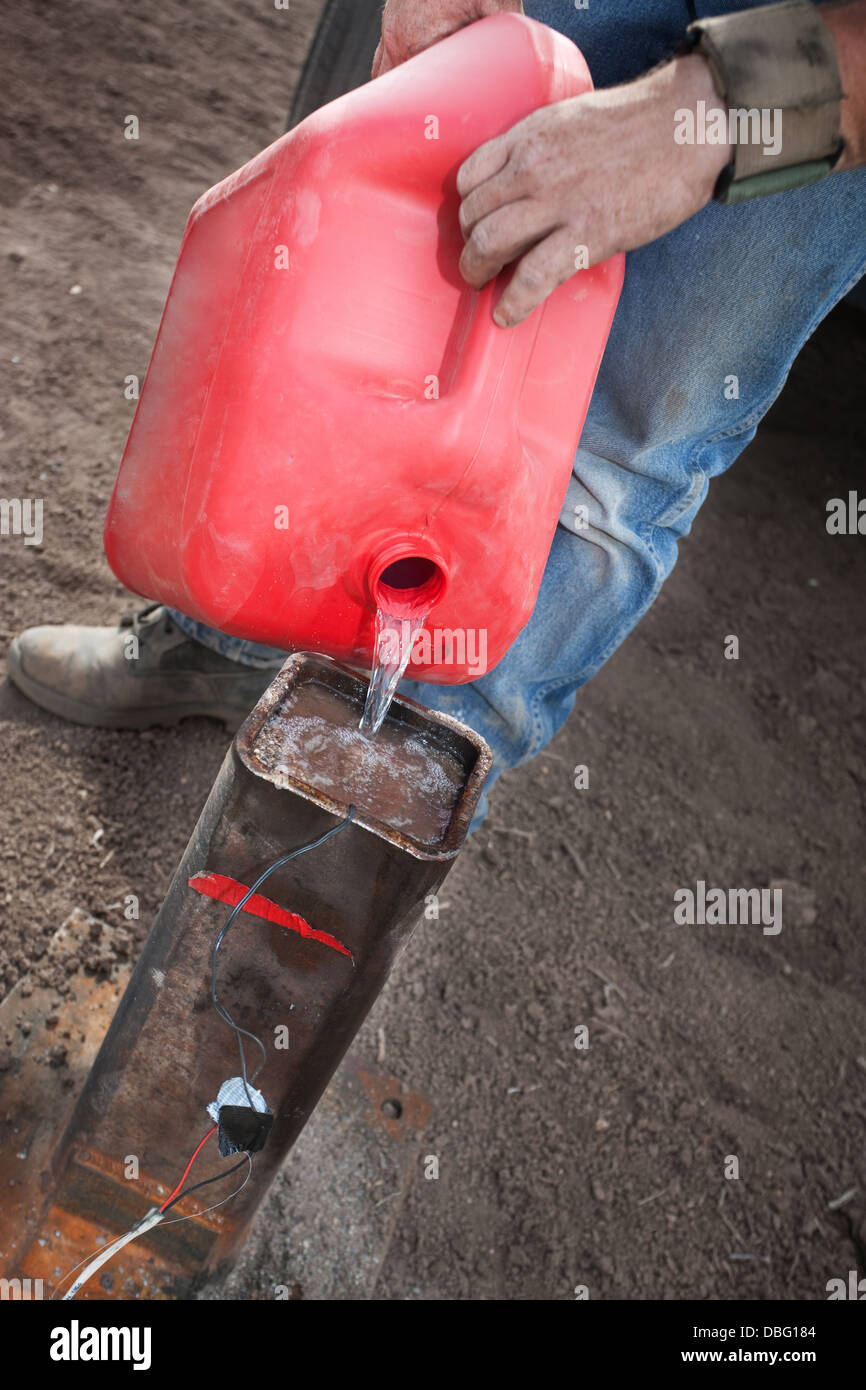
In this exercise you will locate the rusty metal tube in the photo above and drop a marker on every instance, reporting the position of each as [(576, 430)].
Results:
[(340, 915)]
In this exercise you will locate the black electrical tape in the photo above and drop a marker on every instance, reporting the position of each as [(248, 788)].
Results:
[(242, 1129)]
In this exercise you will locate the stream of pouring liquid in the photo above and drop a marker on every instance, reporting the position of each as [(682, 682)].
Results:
[(394, 639)]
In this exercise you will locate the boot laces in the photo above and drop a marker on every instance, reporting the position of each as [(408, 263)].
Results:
[(143, 618)]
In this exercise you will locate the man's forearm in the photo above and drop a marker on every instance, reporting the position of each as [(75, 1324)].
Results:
[(847, 24), (410, 26)]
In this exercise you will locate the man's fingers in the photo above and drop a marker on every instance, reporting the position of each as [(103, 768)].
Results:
[(497, 239), (495, 193), (482, 164), (537, 274), (383, 59)]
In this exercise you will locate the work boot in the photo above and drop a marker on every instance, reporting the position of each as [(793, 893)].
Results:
[(145, 671)]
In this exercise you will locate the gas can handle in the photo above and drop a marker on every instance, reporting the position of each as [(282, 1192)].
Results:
[(486, 346)]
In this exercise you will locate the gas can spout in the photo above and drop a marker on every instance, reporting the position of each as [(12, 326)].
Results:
[(407, 581), (405, 584)]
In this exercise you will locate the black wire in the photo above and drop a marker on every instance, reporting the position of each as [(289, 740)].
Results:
[(218, 1005), (219, 1177)]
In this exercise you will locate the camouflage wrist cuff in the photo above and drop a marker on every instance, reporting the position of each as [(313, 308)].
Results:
[(776, 72)]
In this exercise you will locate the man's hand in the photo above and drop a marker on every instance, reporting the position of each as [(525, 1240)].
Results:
[(847, 24), (600, 171), (410, 26)]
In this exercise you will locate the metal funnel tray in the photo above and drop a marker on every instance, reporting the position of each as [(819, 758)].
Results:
[(416, 782)]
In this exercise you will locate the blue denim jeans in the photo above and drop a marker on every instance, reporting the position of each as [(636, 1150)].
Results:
[(734, 292)]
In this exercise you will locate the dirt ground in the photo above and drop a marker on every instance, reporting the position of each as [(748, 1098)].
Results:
[(559, 1167)]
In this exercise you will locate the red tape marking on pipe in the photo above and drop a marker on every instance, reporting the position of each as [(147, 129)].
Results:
[(229, 891)]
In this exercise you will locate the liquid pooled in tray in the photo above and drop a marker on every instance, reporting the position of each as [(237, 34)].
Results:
[(397, 776)]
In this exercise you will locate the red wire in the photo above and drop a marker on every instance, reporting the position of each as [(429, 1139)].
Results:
[(187, 1168)]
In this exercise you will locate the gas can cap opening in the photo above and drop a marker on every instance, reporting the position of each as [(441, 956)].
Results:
[(408, 585)]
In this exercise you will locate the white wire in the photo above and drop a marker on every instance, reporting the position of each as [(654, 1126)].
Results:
[(71, 1271), (153, 1218)]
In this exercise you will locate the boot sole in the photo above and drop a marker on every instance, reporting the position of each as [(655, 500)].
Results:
[(76, 712)]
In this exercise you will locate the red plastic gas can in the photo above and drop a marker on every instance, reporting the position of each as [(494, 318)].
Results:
[(327, 397)]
